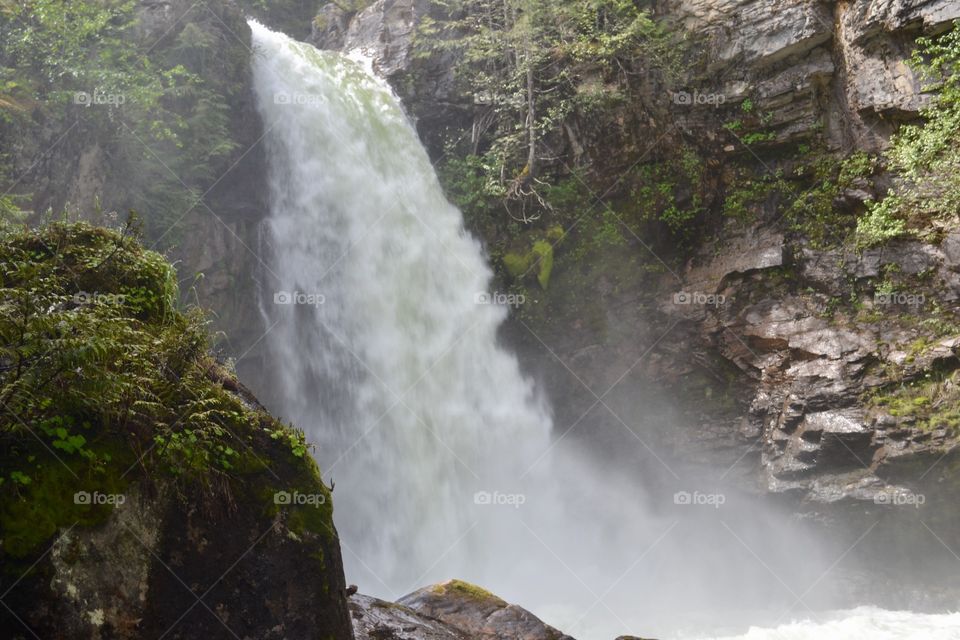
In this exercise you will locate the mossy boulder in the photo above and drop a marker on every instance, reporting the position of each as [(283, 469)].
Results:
[(478, 613), (143, 490)]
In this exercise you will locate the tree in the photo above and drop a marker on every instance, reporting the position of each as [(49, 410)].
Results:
[(524, 64)]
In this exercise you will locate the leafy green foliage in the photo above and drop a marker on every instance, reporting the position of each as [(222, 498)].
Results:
[(661, 190), (159, 108), (806, 196), (535, 65), (881, 222), (101, 375), (925, 156)]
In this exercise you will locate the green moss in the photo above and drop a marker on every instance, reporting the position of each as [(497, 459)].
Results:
[(932, 402), (32, 514), (116, 385), (517, 265), (466, 589), (539, 256), (544, 252), (555, 234)]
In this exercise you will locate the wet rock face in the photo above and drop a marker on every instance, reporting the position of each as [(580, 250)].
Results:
[(778, 29), (807, 63), (814, 371), (451, 610), (375, 619), (385, 32), (177, 562), (848, 363)]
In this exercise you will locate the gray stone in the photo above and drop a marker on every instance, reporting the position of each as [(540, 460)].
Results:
[(759, 249), (479, 614), (375, 619)]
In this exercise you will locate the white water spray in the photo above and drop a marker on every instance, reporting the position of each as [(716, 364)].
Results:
[(383, 348), (394, 370)]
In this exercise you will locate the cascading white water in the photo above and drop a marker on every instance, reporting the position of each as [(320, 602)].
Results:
[(862, 623), (382, 346), (420, 408)]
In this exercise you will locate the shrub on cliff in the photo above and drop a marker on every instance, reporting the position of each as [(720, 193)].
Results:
[(925, 156)]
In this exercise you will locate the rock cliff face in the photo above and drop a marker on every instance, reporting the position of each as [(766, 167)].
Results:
[(813, 66), (840, 66), (157, 567), (796, 368)]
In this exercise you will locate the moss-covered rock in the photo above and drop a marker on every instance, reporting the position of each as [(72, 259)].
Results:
[(142, 488), (538, 260), (477, 613)]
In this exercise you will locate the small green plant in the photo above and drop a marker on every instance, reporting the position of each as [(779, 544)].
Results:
[(930, 402), (880, 223), (757, 137), (924, 155), (295, 439)]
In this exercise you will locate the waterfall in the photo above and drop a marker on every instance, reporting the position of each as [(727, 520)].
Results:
[(388, 344), (382, 345)]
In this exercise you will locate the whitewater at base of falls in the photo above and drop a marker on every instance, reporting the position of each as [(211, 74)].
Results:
[(862, 623), (382, 346)]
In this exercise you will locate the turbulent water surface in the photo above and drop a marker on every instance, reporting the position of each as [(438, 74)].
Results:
[(863, 623), (383, 347)]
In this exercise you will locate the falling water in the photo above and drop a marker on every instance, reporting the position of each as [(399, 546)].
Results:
[(390, 357), (382, 345)]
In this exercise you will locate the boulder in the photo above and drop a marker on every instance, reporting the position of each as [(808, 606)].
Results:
[(478, 613), (375, 619)]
